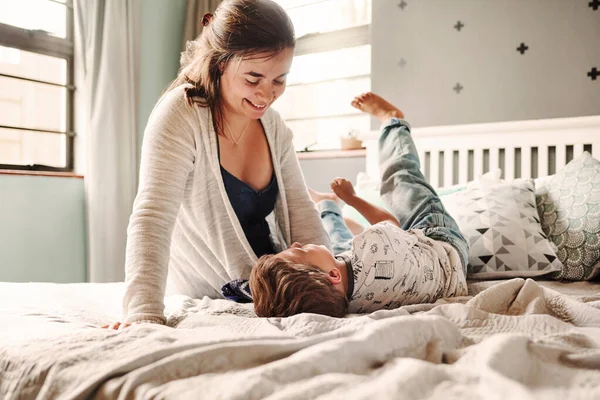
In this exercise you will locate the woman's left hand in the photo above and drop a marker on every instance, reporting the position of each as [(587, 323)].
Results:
[(117, 326)]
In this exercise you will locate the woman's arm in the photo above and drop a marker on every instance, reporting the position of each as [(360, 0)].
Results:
[(168, 156), (344, 190), (305, 222)]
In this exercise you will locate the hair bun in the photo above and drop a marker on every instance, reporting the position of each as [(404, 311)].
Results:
[(206, 19)]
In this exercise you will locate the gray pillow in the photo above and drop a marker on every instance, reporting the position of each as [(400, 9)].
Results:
[(569, 208), (501, 223)]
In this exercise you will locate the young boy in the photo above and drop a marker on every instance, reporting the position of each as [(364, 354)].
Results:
[(415, 254)]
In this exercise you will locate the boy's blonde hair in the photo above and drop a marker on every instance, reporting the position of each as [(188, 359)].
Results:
[(281, 288)]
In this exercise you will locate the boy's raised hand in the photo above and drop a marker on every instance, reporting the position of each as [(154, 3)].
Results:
[(343, 189)]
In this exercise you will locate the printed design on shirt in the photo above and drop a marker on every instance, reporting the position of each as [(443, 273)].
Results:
[(386, 248), (401, 282), (411, 290), (427, 298), (409, 259), (384, 269), (369, 296), (428, 275), (393, 305), (370, 276), (388, 304), (377, 302), (374, 248), (363, 245), (356, 297), (357, 266), (419, 254), (438, 293), (386, 289), (387, 242)]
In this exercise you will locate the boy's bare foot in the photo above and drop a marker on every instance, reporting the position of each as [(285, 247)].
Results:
[(376, 106), (320, 196)]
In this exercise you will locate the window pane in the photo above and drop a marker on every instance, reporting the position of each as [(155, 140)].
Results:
[(323, 99), (48, 16), (32, 105), (327, 131), (24, 148), (310, 16), (34, 66), (343, 63)]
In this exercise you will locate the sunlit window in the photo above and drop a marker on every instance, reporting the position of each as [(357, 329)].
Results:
[(36, 84), (316, 104)]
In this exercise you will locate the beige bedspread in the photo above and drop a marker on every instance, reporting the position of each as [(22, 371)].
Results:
[(513, 339)]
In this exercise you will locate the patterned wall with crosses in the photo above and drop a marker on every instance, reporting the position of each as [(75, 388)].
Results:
[(448, 62)]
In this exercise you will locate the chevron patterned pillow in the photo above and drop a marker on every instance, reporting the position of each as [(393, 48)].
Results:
[(501, 223)]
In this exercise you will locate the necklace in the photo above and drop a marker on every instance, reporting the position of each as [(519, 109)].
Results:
[(231, 133)]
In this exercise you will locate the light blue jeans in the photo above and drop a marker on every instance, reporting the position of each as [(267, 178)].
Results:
[(407, 193)]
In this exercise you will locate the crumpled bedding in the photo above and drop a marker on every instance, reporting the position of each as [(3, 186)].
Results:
[(509, 339)]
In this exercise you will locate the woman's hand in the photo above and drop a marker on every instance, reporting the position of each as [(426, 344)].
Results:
[(117, 326)]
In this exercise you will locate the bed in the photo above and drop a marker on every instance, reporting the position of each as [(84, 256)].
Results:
[(511, 337)]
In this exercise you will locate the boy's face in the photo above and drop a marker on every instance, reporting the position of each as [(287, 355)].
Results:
[(310, 254)]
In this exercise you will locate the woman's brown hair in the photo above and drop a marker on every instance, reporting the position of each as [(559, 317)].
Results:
[(238, 29)]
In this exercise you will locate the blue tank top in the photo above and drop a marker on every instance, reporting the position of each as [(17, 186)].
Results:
[(252, 208)]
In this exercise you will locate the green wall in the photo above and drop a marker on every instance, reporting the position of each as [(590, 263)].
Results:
[(42, 229), (162, 30)]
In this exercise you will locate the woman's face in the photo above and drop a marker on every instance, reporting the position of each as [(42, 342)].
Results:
[(250, 86)]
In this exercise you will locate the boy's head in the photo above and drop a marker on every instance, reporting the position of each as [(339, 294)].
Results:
[(299, 279)]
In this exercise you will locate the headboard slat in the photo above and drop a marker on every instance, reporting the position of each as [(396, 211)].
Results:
[(542, 166), (463, 165), (561, 156), (509, 163), (477, 161), (448, 167), (434, 168), (526, 162), (494, 158), (577, 150)]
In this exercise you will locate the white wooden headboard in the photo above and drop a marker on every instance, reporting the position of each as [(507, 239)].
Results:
[(522, 149)]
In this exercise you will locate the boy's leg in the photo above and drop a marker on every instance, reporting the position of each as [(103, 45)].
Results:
[(403, 186), (339, 234), (408, 194)]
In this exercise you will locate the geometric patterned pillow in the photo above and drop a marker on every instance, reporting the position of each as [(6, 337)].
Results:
[(569, 208), (501, 223)]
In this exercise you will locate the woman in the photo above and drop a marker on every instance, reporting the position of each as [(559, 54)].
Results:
[(216, 161)]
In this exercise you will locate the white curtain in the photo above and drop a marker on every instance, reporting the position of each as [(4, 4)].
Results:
[(194, 11), (107, 38)]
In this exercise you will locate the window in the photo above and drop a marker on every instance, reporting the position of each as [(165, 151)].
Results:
[(36, 85), (332, 64)]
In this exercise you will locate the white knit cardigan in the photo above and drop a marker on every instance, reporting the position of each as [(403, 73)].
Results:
[(183, 226)]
